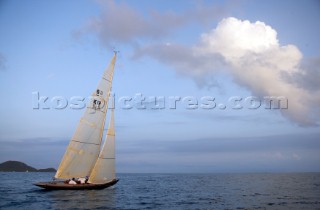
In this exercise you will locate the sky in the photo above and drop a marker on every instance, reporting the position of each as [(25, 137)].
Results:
[(212, 65)]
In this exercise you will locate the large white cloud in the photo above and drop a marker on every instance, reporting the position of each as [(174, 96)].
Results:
[(233, 38), (252, 54)]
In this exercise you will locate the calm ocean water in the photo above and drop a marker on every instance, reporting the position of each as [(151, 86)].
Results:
[(169, 191)]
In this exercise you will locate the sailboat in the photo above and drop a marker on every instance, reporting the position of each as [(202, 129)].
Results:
[(84, 156)]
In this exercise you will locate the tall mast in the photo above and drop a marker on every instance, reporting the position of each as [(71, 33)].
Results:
[(84, 147)]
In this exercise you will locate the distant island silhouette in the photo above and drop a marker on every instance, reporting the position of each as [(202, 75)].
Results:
[(16, 166)]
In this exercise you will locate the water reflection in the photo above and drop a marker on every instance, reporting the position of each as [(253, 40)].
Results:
[(84, 199)]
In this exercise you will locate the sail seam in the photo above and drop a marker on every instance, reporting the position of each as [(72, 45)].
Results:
[(85, 142), (106, 79)]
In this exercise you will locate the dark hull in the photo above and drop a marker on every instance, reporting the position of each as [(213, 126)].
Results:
[(63, 186)]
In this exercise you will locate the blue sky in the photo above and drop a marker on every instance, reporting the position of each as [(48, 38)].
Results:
[(182, 48)]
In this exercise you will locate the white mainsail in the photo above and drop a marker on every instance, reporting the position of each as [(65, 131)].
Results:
[(84, 147), (104, 169)]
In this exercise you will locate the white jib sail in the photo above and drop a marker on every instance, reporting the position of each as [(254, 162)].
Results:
[(104, 169), (84, 147)]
